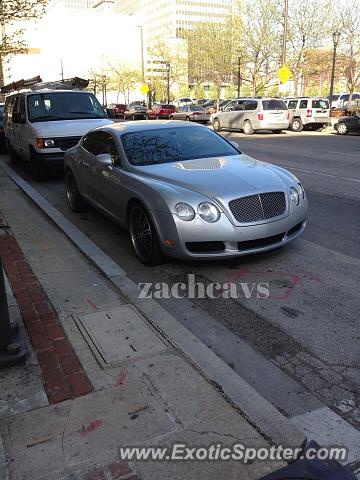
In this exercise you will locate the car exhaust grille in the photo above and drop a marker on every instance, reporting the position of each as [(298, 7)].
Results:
[(255, 208), (205, 247), (260, 242), (66, 142)]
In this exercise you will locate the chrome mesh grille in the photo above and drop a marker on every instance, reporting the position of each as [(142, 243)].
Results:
[(255, 208)]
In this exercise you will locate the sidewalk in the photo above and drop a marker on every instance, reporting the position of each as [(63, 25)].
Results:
[(99, 376)]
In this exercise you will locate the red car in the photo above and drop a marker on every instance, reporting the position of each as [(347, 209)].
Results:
[(116, 110), (160, 111)]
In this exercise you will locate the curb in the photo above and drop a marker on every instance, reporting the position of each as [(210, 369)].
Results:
[(259, 412)]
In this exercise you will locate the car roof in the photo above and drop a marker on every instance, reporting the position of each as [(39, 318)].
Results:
[(143, 125)]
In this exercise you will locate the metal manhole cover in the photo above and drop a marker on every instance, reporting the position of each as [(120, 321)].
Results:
[(119, 335)]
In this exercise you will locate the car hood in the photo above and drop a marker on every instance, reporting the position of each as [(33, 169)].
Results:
[(69, 128), (221, 178)]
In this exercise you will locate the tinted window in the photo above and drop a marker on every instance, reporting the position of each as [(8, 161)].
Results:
[(100, 142), (303, 104), (166, 106), (274, 104), (320, 104), (166, 145), (196, 108), (44, 107), (251, 105), (292, 104), (230, 106)]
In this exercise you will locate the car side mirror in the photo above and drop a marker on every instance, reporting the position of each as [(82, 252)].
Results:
[(105, 159)]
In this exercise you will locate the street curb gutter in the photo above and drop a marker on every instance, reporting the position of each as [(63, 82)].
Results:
[(258, 411)]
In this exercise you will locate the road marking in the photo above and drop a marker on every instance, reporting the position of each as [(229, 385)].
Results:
[(357, 180)]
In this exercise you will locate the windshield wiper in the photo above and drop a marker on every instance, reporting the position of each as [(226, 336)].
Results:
[(47, 117), (90, 113)]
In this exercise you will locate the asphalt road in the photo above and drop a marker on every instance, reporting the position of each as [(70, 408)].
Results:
[(309, 327)]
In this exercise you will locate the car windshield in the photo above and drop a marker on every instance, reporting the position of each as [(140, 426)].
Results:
[(166, 145), (43, 107), (274, 104)]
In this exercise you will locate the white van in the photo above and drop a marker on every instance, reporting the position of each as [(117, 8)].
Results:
[(41, 125)]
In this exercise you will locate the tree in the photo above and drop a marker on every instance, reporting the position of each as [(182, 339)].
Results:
[(12, 12), (309, 23), (350, 42), (124, 78), (260, 42), (210, 50)]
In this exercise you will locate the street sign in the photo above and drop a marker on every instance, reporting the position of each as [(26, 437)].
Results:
[(144, 89), (284, 74)]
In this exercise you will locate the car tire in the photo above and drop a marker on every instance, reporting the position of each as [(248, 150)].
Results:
[(38, 171), (342, 128), (133, 117), (217, 125), (187, 119), (14, 159), (171, 117), (296, 125), (144, 237), (74, 198), (248, 128)]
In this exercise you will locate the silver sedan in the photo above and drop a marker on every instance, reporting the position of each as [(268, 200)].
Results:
[(191, 113), (184, 191)]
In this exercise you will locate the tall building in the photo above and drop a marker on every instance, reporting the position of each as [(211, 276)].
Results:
[(72, 4), (166, 18)]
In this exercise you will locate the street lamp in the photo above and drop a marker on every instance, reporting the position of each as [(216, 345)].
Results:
[(336, 37), (168, 82), (142, 54), (238, 73)]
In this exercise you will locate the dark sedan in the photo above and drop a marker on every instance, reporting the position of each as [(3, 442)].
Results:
[(116, 110), (136, 112), (347, 125)]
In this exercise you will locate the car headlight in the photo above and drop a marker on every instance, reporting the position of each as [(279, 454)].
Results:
[(208, 212), (184, 211), (294, 196), (49, 143), (301, 191)]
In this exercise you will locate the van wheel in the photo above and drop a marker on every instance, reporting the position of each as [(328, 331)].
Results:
[(342, 129), (296, 125), (14, 159), (248, 128), (75, 200)]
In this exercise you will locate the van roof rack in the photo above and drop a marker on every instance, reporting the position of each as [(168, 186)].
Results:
[(36, 83)]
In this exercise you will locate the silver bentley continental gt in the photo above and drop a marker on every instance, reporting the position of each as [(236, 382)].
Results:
[(184, 191)]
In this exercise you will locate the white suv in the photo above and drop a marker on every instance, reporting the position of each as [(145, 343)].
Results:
[(312, 112), (41, 125)]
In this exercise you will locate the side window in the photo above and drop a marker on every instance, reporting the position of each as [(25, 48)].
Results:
[(230, 107), (109, 146), (92, 143), (9, 104), (15, 109), (292, 104), (251, 105), (240, 105), (22, 114), (303, 104)]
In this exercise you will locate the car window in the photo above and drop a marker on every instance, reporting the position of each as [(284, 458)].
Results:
[(303, 104), (44, 107), (274, 104), (15, 108), (196, 108), (320, 104), (100, 142), (292, 104), (149, 147), (230, 106), (251, 105)]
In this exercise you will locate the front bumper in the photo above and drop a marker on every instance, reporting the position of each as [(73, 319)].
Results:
[(225, 239), (48, 159)]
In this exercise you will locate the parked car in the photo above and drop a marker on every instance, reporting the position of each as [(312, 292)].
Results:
[(180, 102), (202, 101), (2, 133), (41, 124), (311, 112), (192, 113), (348, 124), (211, 105), (158, 111), (343, 100), (252, 114), (136, 112), (116, 110), (184, 191)]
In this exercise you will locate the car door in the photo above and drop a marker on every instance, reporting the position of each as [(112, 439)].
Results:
[(178, 115), (225, 116), (292, 105), (237, 117)]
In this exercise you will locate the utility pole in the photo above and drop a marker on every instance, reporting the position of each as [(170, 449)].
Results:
[(336, 37), (286, 15), (168, 82), (142, 54), (238, 73)]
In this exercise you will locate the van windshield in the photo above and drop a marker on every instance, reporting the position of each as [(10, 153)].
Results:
[(44, 107)]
